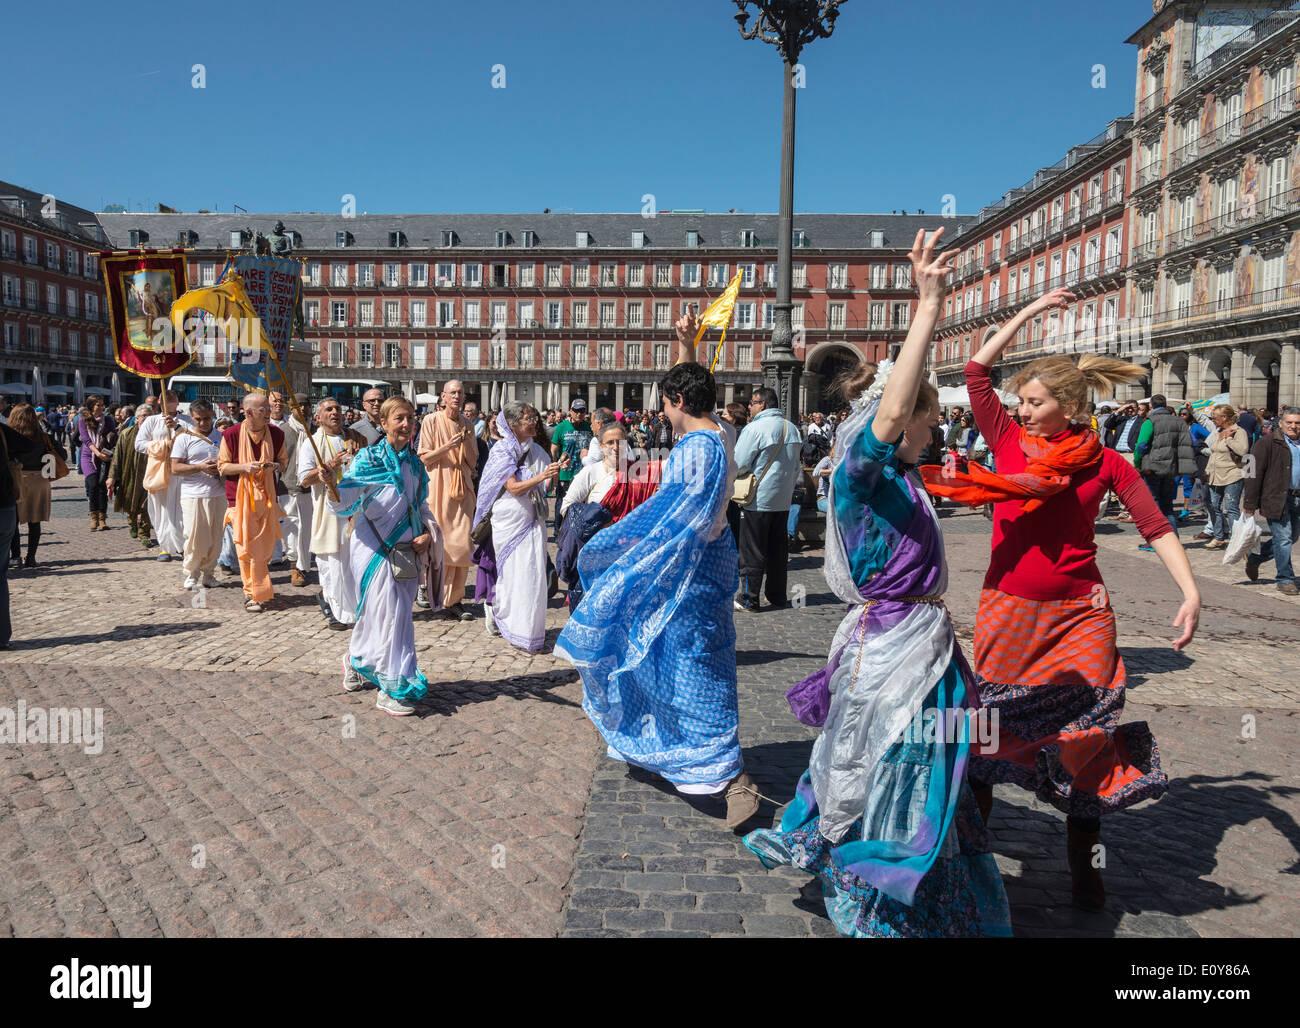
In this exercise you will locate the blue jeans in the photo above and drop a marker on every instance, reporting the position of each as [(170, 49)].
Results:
[(1285, 534), (8, 526), (1163, 488), (228, 557), (1224, 505), (792, 525)]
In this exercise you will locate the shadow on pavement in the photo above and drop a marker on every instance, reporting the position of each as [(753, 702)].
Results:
[(117, 634)]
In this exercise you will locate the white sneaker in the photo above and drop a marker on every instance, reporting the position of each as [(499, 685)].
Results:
[(352, 680), (490, 622), (390, 706), (190, 582)]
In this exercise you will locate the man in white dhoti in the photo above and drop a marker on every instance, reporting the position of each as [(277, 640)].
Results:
[(203, 496), (155, 440), (329, 533), (295, 526)]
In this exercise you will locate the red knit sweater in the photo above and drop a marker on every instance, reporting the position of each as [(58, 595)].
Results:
[(1049, 553)]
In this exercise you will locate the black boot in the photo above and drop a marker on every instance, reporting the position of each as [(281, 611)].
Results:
[(1081, 845)]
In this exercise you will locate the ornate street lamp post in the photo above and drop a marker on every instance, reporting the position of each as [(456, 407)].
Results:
[(788, 25)]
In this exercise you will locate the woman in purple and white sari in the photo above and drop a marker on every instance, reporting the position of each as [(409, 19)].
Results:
[(512, 571)]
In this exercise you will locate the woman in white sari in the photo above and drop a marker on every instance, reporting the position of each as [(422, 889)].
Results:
[(385, 488), (511, 564)]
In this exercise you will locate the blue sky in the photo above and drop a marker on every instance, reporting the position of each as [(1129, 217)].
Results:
[(603, 103)]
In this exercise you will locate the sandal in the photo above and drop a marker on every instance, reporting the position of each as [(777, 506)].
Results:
[(252, 606)]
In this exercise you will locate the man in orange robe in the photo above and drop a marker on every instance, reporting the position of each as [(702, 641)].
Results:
[(252, 453), (450, 454)]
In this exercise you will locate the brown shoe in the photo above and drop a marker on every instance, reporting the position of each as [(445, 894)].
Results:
[(742, 800), (1086, 888), (297, 578), (1288, 588)]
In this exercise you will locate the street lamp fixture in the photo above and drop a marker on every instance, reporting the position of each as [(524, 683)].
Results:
[(789, 25)]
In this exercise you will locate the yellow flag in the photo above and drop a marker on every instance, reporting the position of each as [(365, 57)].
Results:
[(718, 315), (230, 305)]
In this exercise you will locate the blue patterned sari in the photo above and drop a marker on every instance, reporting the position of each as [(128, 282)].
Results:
[(653, 638)]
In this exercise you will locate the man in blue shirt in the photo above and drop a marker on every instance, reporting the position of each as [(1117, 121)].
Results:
[(768, 448)]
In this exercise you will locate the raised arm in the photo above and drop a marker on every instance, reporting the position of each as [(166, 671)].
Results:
[(899, 398), (989, 353)]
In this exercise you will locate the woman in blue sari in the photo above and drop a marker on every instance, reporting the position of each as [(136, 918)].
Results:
[(653, 638), (883, 816)]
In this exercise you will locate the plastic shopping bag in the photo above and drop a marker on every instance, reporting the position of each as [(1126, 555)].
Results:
[(1245, 539)]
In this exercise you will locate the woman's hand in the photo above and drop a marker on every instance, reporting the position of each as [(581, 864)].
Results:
[(931, 273), (421, 542), (1056, 299), (553, 469), (1189, 617)]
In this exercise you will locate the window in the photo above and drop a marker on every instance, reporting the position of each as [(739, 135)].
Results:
[(636, 275), (52, 256), (748, 237), (1114, 258), (606, 355), (799, 276), (392, 274), (338, 274), (638, 240), (1148, 304), (877, 239), (581, 275), (692, 238), (690, 276), (393, 354), (527, 319), (661, 355), (72, 262), (718, 276), (796, 316), (473, 314), (446, 311), (497, 349), (663, 275), (338, 312), (419, 314), (608, 275), (632, 354), (313, 273), (1228, 200), (52, 298), (1040, 274), (879, 276), (634, 314), (750, 272), (446, 274), (877, 317), (54, 342), (1283, 87), (745, 315), (366, 352), (902, 314), (417, 275), (503, 238), (396, 239), (663, 315), (74, 344), (552, 355), (365, 274), (583, 239), (311, 312), (92, 266), (208, 274), (835, 316), (1072, 265), (527, 275), (837, 276), (769, 315), (498, 314), (902, 276), (419, 355), (744, 356), (607, 318), (448, 237), (530, 238), (1056, 271), (554, 313), (1183, 296), (366, 313), (341, 239), (338, 352), (446, 356), (769, 275), (579, 355), (392, 312), (472, 276), (554, 275)]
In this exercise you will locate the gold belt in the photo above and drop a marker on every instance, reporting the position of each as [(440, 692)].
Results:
[(933, 601)]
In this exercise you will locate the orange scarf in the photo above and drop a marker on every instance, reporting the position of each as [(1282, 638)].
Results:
[(1048, 468), (254, 490)]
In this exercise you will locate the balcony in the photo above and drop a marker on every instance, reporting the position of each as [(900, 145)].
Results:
[(1270, 25), (1094, 206), (1148, 250), (1264, 302), (1152, 102), (1149, 173), (839, 284), (995, 258), (1057, 224), (1233, 130)]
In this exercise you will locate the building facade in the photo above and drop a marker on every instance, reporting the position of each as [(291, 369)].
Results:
[(1067, 226), (1216, 200), (585, 301), (54, 334)]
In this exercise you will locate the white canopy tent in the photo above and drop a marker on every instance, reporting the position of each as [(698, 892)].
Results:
[(115, 391), (38, 391), (424, 398), (956, 396), (78, 389), (653, 403)]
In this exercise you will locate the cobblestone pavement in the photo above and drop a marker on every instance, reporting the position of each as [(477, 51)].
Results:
[(496, 813), (316, 813), (1218, 855)]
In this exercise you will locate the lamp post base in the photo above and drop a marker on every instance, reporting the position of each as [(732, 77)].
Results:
[(783, 373)]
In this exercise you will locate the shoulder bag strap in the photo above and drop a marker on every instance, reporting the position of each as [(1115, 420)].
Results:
[(779, 443)]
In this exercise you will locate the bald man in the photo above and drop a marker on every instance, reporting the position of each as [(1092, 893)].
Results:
[(154, 440), (368, 424), (450, 454), (252, 454)]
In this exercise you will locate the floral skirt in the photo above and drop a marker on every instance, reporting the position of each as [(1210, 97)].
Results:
[(1051, 670)]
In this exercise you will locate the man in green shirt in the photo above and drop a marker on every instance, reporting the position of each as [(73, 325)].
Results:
[(570, 438)]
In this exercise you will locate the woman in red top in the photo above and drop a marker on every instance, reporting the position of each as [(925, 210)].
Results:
[(1045, 653)]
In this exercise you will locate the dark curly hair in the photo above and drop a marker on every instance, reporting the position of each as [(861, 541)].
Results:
[(694, 383)]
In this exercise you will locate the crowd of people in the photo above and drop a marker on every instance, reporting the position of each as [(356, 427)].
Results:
[(668, 524)]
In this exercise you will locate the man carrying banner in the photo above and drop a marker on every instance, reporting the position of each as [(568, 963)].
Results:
[(330, 534), (294, 500), (252, 454), (126, 479), (154, 440), (449, 452)]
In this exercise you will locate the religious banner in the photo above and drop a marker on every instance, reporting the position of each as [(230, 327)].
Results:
[(273, 285), (141, 286), (239, 322)]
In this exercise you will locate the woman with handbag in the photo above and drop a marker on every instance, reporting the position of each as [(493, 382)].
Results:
[(1228, 448), (98, 434), (509, 530), (39, 469), (385, 488)]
